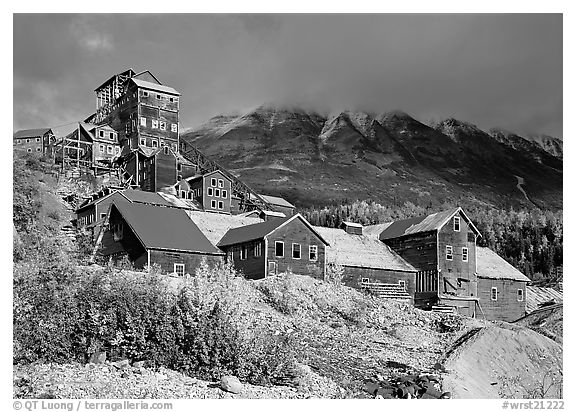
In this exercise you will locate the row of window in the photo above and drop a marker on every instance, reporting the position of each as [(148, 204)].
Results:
[(215, 181), (160, 96), (109, 149), (217, 192), (179, 269), (494, 294), (20, 141), (154, 143), (102, 134), (29, 150), (401, 282), (296, 251), (155, 124), (450, 253), (220, 204)]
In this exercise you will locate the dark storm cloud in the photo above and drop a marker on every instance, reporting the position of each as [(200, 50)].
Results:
[(492, 70)]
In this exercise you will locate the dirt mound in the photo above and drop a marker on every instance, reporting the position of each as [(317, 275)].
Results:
[(548, 321), (504, 361)]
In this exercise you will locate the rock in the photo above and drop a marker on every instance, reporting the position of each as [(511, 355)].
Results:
[(231, 384), (138, 364)]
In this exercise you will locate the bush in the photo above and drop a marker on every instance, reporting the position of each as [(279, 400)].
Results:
[(335, 273), (282, 294)]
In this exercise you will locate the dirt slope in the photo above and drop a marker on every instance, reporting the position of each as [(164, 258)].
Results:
[(505, 361)]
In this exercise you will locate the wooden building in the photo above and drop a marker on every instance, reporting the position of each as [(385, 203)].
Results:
[(36, 141), (276, 246), (213, 190), (442, 247), (150, 235), (368, 263), (279, 204), (501, 287)]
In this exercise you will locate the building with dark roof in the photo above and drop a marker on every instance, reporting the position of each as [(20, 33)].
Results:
[(442, 247), (36, 141), (149, 235), (276, 246)]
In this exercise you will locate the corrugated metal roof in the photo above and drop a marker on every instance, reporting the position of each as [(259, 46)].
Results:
[(165, 228), (417, 224), (491, 266), (375, 230), (154, 86), (140, 196), (536, 296), (351, 224), (215, 225), (278, 201), (30, 133), (361, 251), (260, 230)]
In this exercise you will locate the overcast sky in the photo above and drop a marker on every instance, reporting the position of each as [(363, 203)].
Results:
[(492, 70)]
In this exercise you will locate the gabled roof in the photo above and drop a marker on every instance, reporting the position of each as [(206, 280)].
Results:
[(278, 201), (27, 133), (538, 295), (490, 265), (140, 196), (153, 86), (146, 73), (351, 224), (164, 228), (201, 176), (216, 225), (421, 224), (375, 230), (361, 251), (261, 230)]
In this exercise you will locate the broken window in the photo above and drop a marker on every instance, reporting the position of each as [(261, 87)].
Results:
[(449, 252)]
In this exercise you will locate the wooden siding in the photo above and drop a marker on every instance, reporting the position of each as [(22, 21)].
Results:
[(462, 307), (420, 250), (207, 200), (166, 259), (506, 307), (129, 244), (165, 172), (353, 277), (457, 276), (297, 232), (253, 267)]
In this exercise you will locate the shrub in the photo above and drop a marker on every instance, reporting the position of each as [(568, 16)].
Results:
[(335, 273), (281, 293)]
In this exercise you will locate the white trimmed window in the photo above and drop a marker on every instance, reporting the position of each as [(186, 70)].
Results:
[(494, 293), (520, 295), (449, 252), (162, 125), (101, 133), (243, 252), (313, 253), (145, 93), (142, 142), (457, 223), (110, 149), (37, 140), (213, 204), (27, 140), (402, 283), (279, 249), (159, 96), (142, 121), (220, 205), (154, 124), (220, 183), (224, 193), (102, 215), (29, 150), (38, 149), (154, 143), (101, 148), (213, 182), (465, 254), (179, 269), (210, 191), (112, 136), (217, 192), (258, 249), (174, 127), (296, 249)]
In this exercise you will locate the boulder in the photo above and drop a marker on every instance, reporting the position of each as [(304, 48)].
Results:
[(231, 384)]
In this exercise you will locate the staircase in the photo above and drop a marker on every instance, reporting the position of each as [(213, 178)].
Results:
[(386, 290), (443, 309)]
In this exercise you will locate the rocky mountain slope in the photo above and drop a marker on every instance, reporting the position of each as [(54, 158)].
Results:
[(390, 158)]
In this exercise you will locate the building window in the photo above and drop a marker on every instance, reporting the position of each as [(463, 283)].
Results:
[(183, 194), (258, 249), (142, 121), (38, 149), (449, 252), (313, 253), (221, 205), (402, 283), (279, 249), (190, 195), (101, 132), (166, 148), (179, 269), (37, 140), (494, 293), (154, 124), (142, 142), (457, 223), (27, 140), (217, 192), (102, 215), (101, 148), (213, 204), (117, 149), (112, 136), (117, 229), (145, 93), (162, 125), (520, 295), (465, 254), (213, 182), (174, 127), (159, 96), (154, 143), (210, 191), (29, 150), (110, 149), (296, 250), (18, 141), (243, 252), (179, 166), (224, 193), (365, 280), (220, 183)]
